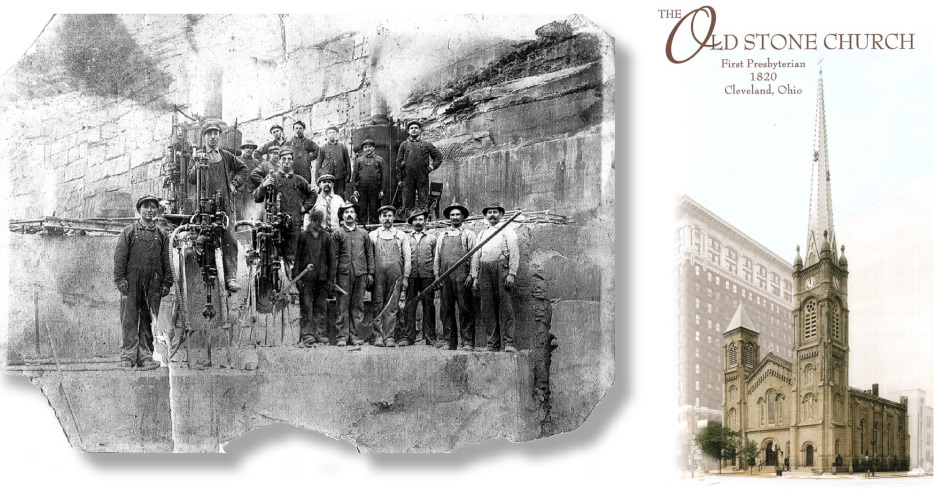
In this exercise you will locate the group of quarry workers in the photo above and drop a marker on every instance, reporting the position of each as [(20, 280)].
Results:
[(330, 252)]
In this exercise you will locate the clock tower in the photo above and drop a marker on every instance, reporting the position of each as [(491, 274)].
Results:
[(820, 317)]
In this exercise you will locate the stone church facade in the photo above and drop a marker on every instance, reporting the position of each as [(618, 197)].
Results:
[(805, 411)]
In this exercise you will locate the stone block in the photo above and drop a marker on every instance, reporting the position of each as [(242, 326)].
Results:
[(110, 410), (561, 175), (582, 364), (328, 112)]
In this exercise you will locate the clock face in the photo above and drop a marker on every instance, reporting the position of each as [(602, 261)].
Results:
[(810, 283), (836, 283)]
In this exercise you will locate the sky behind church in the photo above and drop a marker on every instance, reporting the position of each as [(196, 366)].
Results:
[(748, 158)]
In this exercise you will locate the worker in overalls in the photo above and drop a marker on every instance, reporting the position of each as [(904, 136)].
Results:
[(143, 276), (391, 257), (453, 243), (421, 276), (227, 175), (494, 268)]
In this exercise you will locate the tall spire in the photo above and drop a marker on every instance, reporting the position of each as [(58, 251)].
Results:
[(820, 218)]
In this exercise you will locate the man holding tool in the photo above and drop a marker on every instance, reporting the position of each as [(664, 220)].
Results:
[(421, 275), (314, 248), (391, 265), (355, 267), (225, 174), (296, 198), (453, 243), (493, 269)]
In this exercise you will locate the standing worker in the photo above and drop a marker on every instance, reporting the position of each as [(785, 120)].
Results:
[(297, 197), (226, 174), (278, 141), (334, 160), (453, 243), (246, 208), (355, 267), (421, 275), (392, 263), (414, 161), (305, 151), (493, 269), (316, 248), (368, 182), (143, 275)]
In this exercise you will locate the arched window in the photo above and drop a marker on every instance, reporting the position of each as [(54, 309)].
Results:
[(771, 407), (779, 400), (762, 411), (809, 401), (837, 374), (732, 419), (748, 358), (836, 321), (732, 354), (838, 406), (811, 319), (732, 393), (809, 374)]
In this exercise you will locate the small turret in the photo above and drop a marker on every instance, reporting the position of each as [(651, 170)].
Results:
[(842, 261), (797, 264), (825, 247)]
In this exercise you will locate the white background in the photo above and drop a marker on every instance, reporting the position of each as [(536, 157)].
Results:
[(627, 443)]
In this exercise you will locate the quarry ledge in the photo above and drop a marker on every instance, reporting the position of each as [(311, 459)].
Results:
[(330, 390)]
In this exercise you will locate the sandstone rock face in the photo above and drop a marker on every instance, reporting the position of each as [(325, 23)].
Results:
[(524, 118)]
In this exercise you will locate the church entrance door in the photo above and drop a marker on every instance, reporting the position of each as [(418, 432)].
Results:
[(771, 458), (809, 456)]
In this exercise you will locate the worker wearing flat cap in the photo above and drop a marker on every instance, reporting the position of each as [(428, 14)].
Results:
[(328, 203), (391, 257), (143, 275), (304, 151), (265, 167), (295, 195), (335, 160), (354, 252), (494, 269), (244, 199), (227, 174), (414, 161), (369, 170), (453, 243), (279, 140), (421, 275)]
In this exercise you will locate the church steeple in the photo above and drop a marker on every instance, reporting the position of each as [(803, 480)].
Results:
[(820, 217)]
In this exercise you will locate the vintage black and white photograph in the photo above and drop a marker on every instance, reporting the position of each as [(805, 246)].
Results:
[(397, 234)]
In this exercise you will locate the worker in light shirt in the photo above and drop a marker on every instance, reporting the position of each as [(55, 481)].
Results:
[(493, 269)]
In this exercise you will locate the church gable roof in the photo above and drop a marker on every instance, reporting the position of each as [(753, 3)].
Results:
[(770, 366)]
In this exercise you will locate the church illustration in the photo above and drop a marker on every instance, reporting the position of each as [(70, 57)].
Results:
[(804, 413)]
